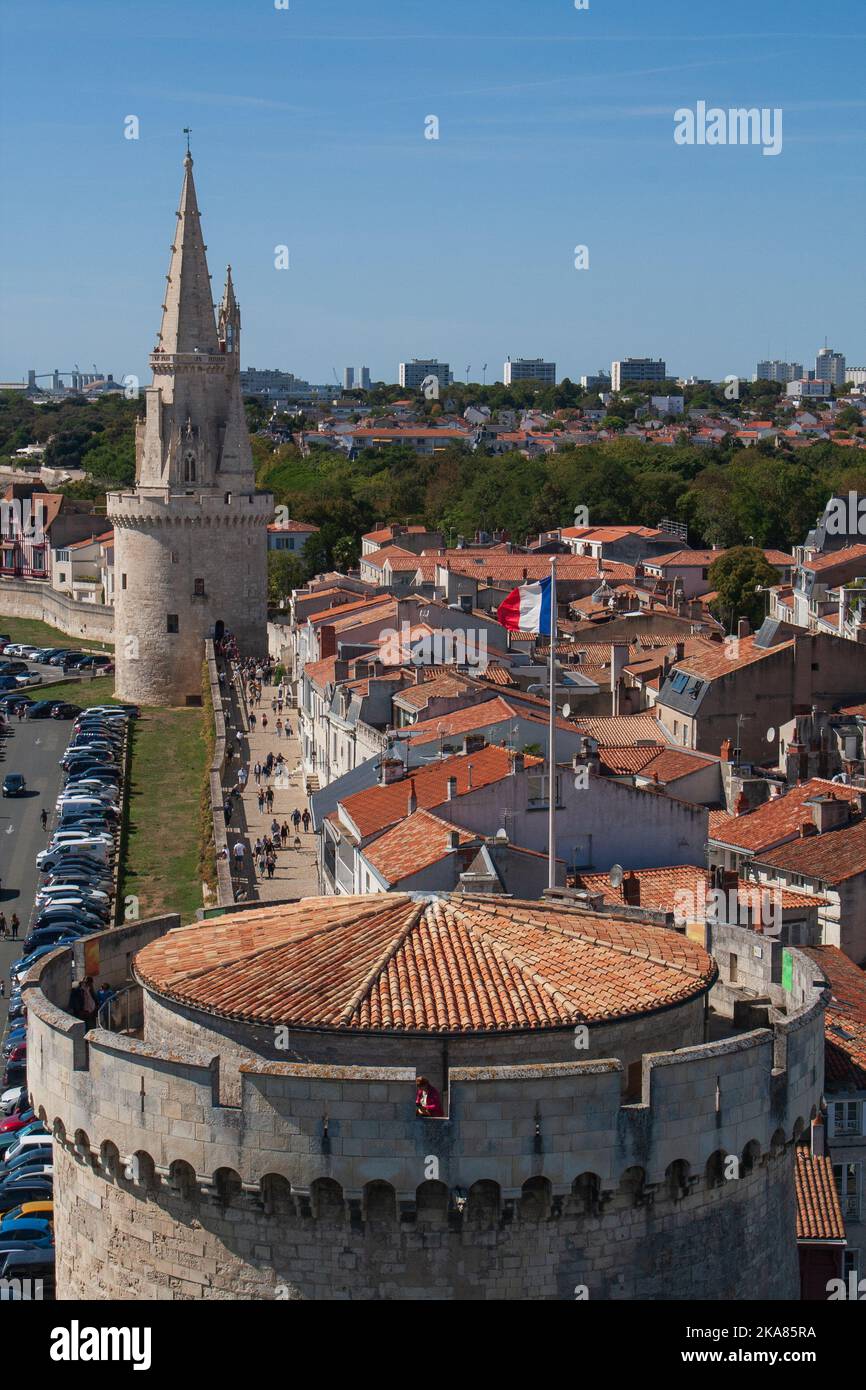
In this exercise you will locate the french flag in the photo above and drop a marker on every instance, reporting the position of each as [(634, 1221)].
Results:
[(527, 608)]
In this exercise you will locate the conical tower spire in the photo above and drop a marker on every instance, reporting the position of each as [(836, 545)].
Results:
[(188, 323)]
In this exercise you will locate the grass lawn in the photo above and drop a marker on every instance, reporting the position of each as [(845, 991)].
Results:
[(98, 690), (39, 634), (161, 860)]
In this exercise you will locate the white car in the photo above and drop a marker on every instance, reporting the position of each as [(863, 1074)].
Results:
[(31, 678), (10, 1099)]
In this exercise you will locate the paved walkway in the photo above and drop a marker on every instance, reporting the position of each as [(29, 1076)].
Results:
[(295, 875)]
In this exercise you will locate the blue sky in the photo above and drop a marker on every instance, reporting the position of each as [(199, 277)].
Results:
[(556, 129)]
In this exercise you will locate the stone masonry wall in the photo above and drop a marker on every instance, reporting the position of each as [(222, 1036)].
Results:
[(732, 1242)]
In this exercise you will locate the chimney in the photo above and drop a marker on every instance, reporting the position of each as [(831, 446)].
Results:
[(516, 764), (469, 776), (829, 812), (817, 1137), (631, 890), (391, 770), (451, 786), (726, 751), (743, 628), (327, 640), (599, 566), (679, 651), (412, 803), (808, 828), (741, 805)]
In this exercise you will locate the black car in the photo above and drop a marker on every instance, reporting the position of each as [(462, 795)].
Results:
[(64, 710), (41, 710), (14, 784)]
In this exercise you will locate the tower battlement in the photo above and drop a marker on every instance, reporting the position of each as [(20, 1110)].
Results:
[(556, 1156)]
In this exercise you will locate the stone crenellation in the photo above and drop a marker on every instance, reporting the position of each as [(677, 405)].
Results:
[(303, 1180)]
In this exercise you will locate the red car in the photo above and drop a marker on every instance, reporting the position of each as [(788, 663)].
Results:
[(10, 1126), (18, 1054)]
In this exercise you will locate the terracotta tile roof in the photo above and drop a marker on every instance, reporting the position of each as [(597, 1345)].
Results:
[(386, 533), (413, 844), (509, 569), (441, 687), (660, 761), (775, 821), (819, 1215), (385, 608), (685, 559), (844, 1020), (377, 807), (498, 675), (625, 761), (831, 857), (323, 672), (293, 526), (327, 615), (659, 887), (443, 965), (479, 716), (395, 555), (840, 558), (622, 730), (859, 711), (717, 659)]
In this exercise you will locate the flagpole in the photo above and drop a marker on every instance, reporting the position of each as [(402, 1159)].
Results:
[(551, 737)]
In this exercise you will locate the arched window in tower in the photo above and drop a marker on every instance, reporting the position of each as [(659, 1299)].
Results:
[(230, 336), (189, 466)]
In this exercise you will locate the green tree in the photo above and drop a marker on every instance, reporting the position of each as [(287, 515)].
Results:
[(346, 553), (285, 573), (736, 576)]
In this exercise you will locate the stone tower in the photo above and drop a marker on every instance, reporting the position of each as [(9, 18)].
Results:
[(191, 537)]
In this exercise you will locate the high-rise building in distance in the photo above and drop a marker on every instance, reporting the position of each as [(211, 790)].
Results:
[(779, 371), (830, 366), (529, 369), (413, 373), (348, 378), (631, 370)]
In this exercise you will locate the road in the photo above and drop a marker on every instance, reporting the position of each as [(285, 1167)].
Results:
[(33, 749)]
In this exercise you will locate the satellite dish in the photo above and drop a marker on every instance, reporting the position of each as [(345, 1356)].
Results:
[(771, 735), (616, 876), (501, 835), (566, 711)]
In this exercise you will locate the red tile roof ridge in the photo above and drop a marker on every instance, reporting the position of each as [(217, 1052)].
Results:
[(412, 918)]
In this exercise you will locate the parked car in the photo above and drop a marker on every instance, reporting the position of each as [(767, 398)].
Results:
[(64, 710), (14, 784), (41, 709), (37, 1234)]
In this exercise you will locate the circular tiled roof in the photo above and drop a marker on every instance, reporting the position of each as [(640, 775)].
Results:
[(440, 964)]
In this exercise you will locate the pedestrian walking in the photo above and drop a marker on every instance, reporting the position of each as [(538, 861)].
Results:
[(2, 923), (297, 842), (296, 819), (2, 989), (252, 722), (264, 722), (15, 925), (43, 816), (239, 853), (306, 818), (275, 830), (257, 773), (261, 866), (269, 796), (274, 705), (261, 800), (242, 778), (284, 833), (270, 864), (279, 728)]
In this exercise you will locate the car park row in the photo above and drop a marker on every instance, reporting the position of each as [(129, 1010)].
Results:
[(75, 897)]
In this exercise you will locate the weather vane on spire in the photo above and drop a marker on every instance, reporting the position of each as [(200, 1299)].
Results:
[(187, 130)]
